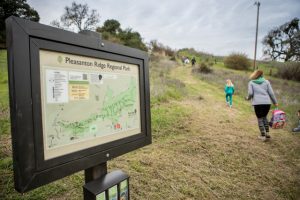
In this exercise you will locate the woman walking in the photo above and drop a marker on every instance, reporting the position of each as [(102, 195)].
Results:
[(229, 91), (262, 95)]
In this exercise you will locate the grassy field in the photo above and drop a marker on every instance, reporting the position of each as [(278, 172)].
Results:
[(201, 149)]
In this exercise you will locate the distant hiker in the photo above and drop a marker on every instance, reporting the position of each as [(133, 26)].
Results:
[(193, 61), (297, 129), (186, 61), (229, 91), (261, 93)]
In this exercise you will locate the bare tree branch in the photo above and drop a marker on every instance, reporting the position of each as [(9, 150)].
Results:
[(78, 16), (283, 43)]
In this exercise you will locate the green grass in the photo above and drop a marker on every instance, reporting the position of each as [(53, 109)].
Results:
[(168, 119), (269, 70), (4, 103), (65, 187)]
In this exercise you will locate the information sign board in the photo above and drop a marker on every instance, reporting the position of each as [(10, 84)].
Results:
[(105, 93), (75, 101)]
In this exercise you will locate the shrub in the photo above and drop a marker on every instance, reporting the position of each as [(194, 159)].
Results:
[(203, 68), (173, 58), (289, 71), (237, 61)]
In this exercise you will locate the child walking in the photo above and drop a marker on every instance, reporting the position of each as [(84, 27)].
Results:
[(262, 95), (229, 91)]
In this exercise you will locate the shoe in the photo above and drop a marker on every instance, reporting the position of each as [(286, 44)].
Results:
[(268, 136), (263, 138)]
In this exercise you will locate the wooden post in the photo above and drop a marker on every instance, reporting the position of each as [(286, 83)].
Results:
[(254, 64)]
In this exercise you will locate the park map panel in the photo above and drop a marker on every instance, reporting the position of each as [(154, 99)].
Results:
[(86, 102)]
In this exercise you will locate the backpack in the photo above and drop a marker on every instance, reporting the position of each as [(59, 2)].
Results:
[(278, 119)]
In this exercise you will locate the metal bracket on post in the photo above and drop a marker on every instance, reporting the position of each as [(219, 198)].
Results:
[(95, 172), (114, 185)]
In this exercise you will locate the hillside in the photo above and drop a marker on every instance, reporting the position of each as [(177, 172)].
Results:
[(201, 149)]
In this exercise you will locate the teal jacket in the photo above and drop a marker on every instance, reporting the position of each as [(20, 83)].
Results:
[(229, 89)]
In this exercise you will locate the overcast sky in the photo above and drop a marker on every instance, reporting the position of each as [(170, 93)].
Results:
[(219, 27)]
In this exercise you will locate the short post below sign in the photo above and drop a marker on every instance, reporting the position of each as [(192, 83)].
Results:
[(112, 186), (76, 102)]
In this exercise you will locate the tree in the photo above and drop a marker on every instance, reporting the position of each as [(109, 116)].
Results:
[(78, 16), (283, 43), (111, 26), (111, 30), (18, 8), (132, 39)]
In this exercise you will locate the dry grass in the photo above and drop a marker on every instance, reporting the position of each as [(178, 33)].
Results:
[(163, 87)]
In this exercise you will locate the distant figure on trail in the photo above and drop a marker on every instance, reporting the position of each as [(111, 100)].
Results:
[(193, 61), (262, 95), (229, 91), (297, 129), (186, 61)]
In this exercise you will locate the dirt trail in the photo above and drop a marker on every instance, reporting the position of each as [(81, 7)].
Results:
[(208, 103)]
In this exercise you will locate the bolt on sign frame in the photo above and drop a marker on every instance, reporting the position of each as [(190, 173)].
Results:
[(50, 68)]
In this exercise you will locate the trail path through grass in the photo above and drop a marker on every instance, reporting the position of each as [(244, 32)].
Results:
[(247, 166), (216, 155)]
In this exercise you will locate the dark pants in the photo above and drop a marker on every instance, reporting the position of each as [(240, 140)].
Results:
[(261, 112)]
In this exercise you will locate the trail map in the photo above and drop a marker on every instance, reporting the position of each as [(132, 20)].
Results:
[(88, 104)]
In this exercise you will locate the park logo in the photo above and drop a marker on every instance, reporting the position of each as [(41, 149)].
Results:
[(59, 59)]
